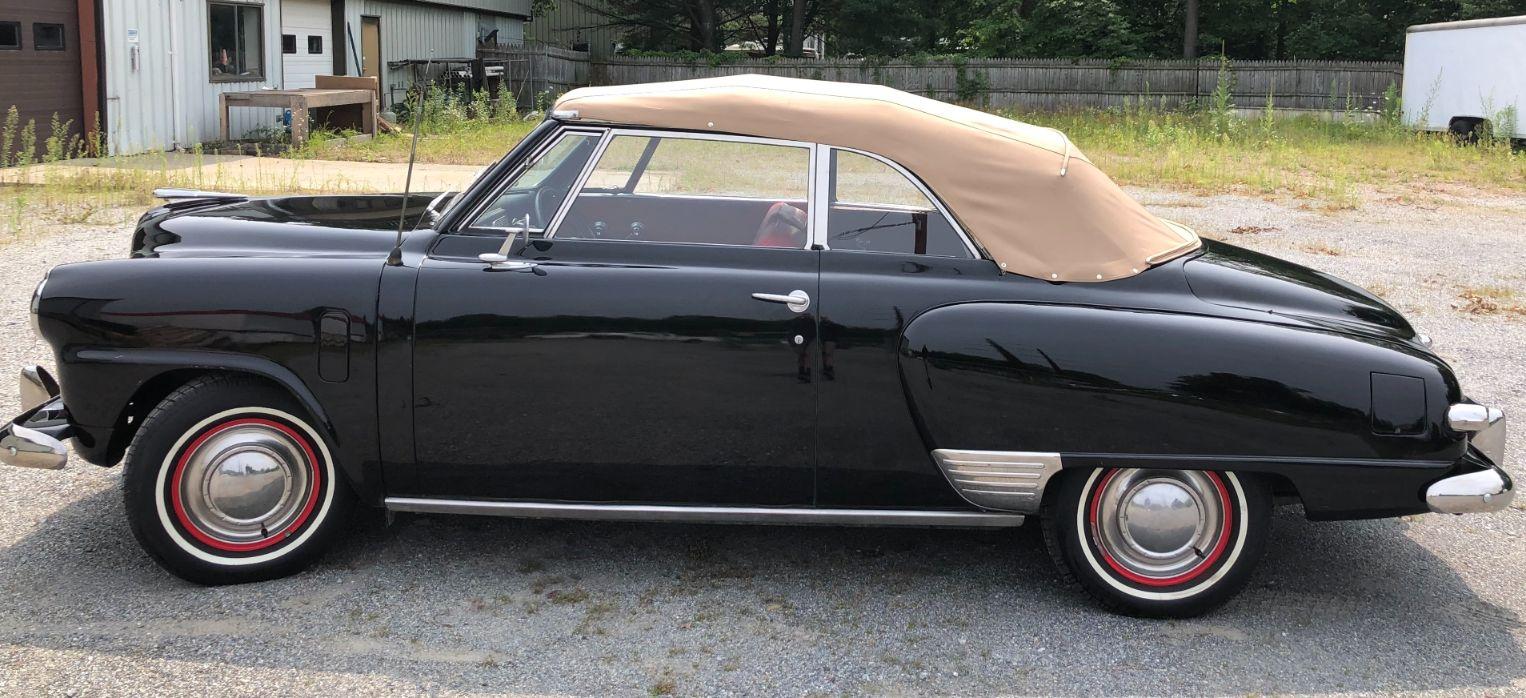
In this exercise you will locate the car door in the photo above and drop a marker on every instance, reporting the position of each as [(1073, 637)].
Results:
[(652, 343), (891, 252)]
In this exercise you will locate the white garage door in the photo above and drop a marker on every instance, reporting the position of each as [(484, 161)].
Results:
[(307, 41)]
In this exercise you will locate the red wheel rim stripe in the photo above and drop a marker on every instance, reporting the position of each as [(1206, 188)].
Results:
[(202, 536), (1189, 575)]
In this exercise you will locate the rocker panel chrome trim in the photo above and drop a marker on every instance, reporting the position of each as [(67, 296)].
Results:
[(707, 514), (999, 480)]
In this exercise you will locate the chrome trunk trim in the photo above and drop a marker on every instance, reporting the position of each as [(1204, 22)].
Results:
[(181, 194), (999, 480), (706, 514)]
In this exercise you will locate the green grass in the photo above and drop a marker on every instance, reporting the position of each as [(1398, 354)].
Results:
[(1303, 157), (457, 130), (474, 143)]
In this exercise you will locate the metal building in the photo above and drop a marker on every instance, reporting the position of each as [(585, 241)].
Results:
[(166, 61)]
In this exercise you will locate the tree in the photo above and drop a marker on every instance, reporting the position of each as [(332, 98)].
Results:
[(897, 27), (1049, 29), (667, 25), (1189, 31)]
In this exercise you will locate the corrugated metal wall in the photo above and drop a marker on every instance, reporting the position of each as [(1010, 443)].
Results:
[(411, 31), (159, 92)]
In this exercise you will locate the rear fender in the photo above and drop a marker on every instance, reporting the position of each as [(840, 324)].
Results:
[(1159, 389)]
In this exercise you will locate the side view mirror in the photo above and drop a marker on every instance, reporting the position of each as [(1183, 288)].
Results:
[(499, 261)]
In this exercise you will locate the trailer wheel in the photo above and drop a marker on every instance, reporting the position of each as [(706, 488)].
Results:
[(1467, 129)]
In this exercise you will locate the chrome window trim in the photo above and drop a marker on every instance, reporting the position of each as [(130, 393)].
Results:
[(651, 195), (975, 250), (506, 180), (613, 133), (702, 136), (578, 184), (821, 190)]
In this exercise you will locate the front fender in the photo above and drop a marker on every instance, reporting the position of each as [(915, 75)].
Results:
[(126, 332), (1357, 421), (106, 379)]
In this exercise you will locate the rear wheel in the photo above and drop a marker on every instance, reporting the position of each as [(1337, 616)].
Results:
[(227, 482), (1154, 542)]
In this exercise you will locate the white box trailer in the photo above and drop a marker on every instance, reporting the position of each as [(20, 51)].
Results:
[(1459, 75)]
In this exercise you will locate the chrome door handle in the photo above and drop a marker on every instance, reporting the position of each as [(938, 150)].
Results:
[(797, 300), (500, 262)]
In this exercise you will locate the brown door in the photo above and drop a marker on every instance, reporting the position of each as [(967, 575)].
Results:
[(40, 73), (370, 47)]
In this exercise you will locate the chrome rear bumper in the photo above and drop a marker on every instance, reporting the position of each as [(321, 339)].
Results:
[(29, 448), (1483, 490), (35, 439), (1474, 493), (1485, 427)]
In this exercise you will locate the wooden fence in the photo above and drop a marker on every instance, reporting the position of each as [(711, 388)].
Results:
[(1025, 84), (534, 69)]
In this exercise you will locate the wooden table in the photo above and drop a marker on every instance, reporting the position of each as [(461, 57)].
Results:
[(331, 105)]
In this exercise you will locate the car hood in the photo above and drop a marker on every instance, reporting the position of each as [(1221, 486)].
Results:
[(1235, 277), (281, 226)]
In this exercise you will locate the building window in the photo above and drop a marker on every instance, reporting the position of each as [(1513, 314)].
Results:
[(47, 37), (288, 43), (10, 36), (315, 44), (236, 34)]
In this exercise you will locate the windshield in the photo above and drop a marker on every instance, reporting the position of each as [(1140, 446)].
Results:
[(538, 191)]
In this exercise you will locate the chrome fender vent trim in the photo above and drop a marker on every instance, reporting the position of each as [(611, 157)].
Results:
[(999, 480)]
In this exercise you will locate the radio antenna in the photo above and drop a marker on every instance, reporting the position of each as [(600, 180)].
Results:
[(395, 258)]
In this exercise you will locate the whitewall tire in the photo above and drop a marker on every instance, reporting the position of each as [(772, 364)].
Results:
[(227, 481), (1158, 542)]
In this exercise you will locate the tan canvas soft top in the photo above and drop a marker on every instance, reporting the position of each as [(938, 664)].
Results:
[(1023, 192)]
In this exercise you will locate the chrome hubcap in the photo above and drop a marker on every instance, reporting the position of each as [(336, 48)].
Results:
[(245, 482), (1159, 523)]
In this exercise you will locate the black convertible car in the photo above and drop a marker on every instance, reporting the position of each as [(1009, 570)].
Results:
[(753, 300)]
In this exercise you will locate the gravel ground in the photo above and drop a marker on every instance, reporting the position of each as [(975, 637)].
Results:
[(465, 605)]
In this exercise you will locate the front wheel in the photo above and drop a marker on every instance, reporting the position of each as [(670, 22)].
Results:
[(1162, 543), (227, 482)]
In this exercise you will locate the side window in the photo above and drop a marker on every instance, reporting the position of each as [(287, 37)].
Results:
[(47, 37), (10, 36), (694, 190), (538, 191), (236, 39), (875, 208)]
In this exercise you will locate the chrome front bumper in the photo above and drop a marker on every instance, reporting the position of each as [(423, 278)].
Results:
[(1480, 491), (36, 438)]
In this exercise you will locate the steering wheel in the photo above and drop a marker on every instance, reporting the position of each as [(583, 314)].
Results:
[(546, 201)]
